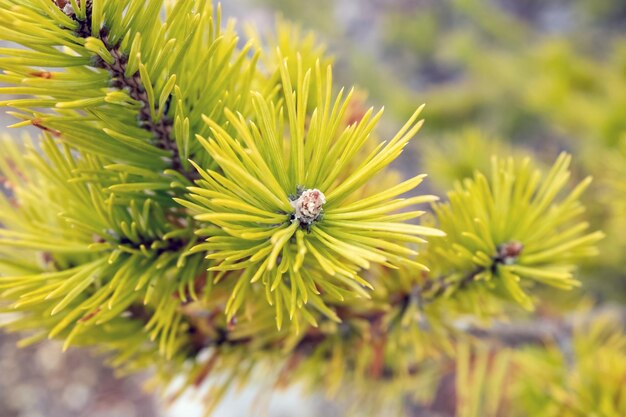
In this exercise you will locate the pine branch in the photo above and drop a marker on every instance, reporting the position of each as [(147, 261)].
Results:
[(160, 129), (285, 209)]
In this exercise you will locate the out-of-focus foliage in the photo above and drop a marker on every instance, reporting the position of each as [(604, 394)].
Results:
[(584, 376)]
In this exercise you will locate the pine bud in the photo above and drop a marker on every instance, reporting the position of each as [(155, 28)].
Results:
[(509, 252), (309, 206)]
